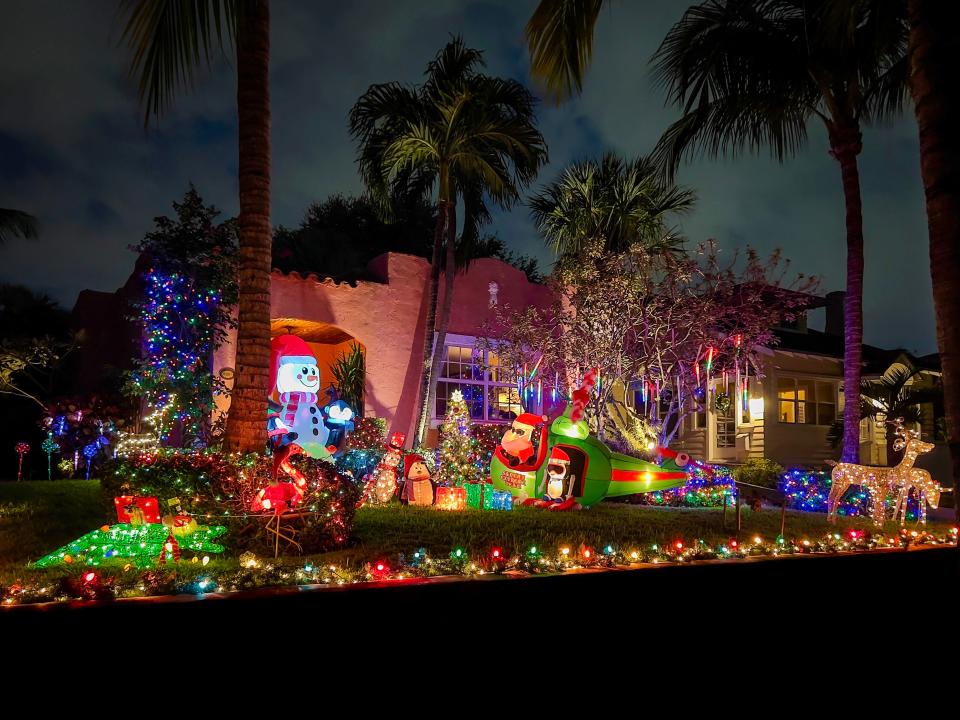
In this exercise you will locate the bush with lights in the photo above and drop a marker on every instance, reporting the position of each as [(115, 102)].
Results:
[(220, 488), (809, 490)]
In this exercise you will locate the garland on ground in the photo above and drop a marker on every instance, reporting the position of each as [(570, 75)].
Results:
[(106, 583)]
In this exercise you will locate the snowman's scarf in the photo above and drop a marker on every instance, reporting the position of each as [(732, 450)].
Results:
[(291, 401)]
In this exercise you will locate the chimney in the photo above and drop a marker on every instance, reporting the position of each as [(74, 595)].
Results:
[(835, 302)]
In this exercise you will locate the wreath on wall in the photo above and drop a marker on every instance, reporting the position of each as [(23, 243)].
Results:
[(722, 403)]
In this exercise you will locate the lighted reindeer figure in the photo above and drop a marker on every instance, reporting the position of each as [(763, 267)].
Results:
[(927, 489), (878, 482)]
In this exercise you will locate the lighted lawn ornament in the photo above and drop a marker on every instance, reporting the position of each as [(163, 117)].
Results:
[(417, 486), (927, 491), (595, 471), (141, 543), (878, 482), (90, 451), (22, 449), (382, 484), (297, 420), (137, 511), (179, 522), (50, 446)]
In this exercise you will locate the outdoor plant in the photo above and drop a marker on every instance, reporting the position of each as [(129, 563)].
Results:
[(220, 488), (350, 372), (759, 471)]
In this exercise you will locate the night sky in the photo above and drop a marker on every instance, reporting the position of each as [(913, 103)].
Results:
[(73, 150)]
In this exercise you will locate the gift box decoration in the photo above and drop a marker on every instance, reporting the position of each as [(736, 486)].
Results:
[(137, 510), (501, 500), (451, 498)]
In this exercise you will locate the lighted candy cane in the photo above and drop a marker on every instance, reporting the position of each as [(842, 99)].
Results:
[(582, 394), (22, 449)]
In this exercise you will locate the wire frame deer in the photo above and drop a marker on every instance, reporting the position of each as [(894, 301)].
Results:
[(878, 482)]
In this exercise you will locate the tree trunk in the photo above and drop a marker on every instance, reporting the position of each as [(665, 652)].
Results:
[(934, 48), (845, 146), (433, 372), (439, 233), (247, 419)]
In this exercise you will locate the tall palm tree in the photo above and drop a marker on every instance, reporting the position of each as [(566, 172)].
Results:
[(466, 135), (16, 223), (934, 48), (169, 39), (750, 74), (619, 203)]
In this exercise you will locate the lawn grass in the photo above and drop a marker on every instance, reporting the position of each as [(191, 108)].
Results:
[(38, 517)]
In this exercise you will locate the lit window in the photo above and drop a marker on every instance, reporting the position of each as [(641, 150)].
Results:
[(803, 401), (489, 390)]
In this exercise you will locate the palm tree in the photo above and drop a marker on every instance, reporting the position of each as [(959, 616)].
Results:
[(16, 223), (618, 203), (169, 39), (934, 48), (750, 74), (892, 396), (470, 136)]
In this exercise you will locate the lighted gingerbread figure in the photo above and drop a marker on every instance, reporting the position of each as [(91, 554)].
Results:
[(417, 486)]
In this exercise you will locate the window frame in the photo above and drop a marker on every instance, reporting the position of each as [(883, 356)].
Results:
[(815, 382), (470, 341)]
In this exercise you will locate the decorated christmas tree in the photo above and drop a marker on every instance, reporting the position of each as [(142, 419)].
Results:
[(458, 447)]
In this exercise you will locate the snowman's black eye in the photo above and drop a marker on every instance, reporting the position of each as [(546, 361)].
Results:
[(304, 370)]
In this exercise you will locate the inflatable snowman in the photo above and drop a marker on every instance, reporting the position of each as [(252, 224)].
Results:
[(297, 419)]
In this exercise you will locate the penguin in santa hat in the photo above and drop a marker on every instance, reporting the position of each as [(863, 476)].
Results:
[(559, 483), (297, 419)]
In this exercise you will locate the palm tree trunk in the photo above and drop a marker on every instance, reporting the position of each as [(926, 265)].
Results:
[(433, 373), (934, 48), (247, 420), (431, 321), (845, 146)]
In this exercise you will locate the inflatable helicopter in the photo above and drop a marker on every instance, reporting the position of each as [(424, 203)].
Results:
[(562, 466)]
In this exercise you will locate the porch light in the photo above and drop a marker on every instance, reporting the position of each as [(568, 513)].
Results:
[(756, 407)]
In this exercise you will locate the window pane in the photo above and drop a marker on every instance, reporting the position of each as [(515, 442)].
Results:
[(826, 413), (805, 389), (472, 394), (826, 393), (786, 389), (503, 403), (788, 411), (807, 413)]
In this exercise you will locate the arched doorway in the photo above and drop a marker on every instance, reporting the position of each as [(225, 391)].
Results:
[(327, 341)]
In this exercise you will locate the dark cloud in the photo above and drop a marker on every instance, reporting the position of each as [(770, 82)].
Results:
[(73, 149)]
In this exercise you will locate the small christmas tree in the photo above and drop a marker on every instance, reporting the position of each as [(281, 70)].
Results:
[(458, 447)]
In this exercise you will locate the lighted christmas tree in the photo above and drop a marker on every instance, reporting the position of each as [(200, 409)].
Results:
[(459, 449), (188, 289)]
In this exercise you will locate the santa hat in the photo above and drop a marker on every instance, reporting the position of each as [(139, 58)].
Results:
[(530, 419), (559, 455), (288, 349), (408, 461)]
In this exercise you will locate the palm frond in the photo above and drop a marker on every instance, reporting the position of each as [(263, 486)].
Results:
[(560, 39), (16, 223), (170, 39)]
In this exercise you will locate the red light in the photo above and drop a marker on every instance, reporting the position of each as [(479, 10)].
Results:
[(733, 543), (678, 545), (379, 567), (496, 554), (89, 577), (586, 553)]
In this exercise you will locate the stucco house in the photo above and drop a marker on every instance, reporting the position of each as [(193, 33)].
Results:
[(383, 313)]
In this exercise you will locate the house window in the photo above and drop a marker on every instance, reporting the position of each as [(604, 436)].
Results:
[(489, 390), (804, 401)]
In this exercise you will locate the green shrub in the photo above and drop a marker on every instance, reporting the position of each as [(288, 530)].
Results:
[(759, 471), (219, 488)]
